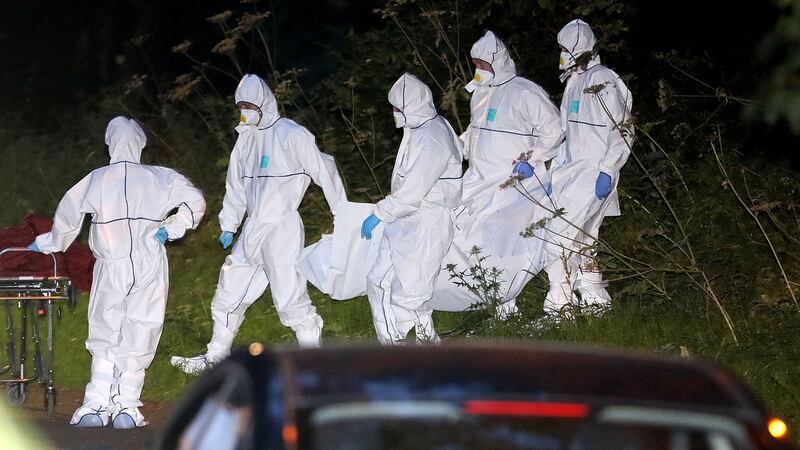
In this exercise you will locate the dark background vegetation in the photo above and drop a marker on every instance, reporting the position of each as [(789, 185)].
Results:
[(704, 261)]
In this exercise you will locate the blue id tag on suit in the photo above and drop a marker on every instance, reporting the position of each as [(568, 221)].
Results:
[(574, 106), (491, 115), (264, 162)]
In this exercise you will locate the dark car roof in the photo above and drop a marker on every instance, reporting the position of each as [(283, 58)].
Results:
[(468, 371)]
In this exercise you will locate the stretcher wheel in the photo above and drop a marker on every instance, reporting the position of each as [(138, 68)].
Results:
[(50, 401), (16, 394)]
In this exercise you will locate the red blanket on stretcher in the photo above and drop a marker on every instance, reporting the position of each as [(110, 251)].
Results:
[(77, 262)]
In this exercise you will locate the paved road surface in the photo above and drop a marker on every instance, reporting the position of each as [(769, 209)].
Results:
[(64, 436)]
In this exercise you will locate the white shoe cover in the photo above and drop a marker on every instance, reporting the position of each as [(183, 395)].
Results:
[(127, 419), (592, 288), (90, 416), (309, 334), (192, 365)]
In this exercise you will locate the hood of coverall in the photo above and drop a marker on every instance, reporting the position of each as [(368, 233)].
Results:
[(125, 140), (577, 37), (491, 49), (253, 89), (413, 98)]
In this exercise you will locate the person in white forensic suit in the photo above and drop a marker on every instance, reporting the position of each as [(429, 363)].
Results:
[(418, 216), (130, 204), (595, 114), (271, 166), (514, 129)]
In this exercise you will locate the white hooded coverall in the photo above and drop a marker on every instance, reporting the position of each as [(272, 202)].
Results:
[(426, 186), (595, 110), (511, 117), (271, 166), (128, 202)]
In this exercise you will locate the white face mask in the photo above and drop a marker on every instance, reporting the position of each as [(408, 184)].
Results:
[(399, 119), (249, 117), (566, 61), (482, 77)]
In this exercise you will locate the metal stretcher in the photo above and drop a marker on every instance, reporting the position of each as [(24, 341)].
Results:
[(28, 300)]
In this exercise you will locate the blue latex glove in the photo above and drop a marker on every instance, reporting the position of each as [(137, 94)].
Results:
[(34, 248), (523, 170), (226, 239), (602, 187), (369, 224), (162, 235)]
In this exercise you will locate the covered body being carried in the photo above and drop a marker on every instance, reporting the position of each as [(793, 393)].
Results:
[(512, 121)]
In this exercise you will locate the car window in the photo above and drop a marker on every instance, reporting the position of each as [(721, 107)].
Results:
[(218, 414), (405, 425), (223, 422)]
